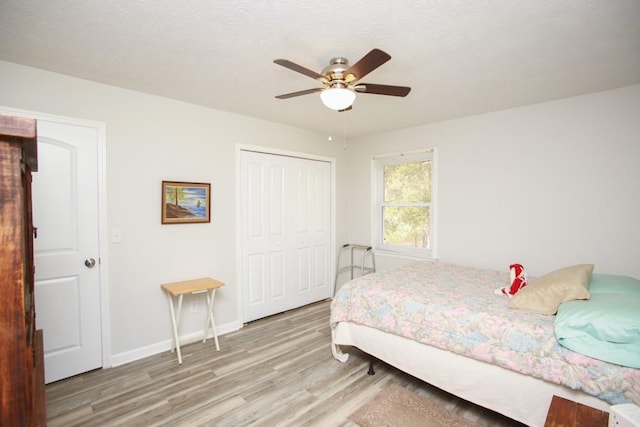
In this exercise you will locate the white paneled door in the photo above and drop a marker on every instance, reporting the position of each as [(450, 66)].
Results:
[(65, 212), (286, 233)]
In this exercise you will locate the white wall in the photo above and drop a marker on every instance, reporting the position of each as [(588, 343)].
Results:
[(546, 185), (150, 139)]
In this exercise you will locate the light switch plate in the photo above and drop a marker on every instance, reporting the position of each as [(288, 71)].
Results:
[(116, 235)]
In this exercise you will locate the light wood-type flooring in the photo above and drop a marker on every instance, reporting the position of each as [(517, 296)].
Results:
[(274, 371)]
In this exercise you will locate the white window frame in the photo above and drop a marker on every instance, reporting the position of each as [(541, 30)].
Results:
[(377, 180)]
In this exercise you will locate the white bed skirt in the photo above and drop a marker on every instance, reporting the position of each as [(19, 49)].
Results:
[(520, 397)]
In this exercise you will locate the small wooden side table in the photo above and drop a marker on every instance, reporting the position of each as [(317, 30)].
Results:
[(205, 286), (567, 413)]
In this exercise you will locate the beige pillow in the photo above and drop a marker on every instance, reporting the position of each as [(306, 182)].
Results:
[(545, 294)]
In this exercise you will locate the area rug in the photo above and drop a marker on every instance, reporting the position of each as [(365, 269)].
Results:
[(398, 407)]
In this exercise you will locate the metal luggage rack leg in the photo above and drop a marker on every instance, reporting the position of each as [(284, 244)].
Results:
[(366, 250)]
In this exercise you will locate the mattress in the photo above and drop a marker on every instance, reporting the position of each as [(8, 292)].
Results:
[(454, 308)]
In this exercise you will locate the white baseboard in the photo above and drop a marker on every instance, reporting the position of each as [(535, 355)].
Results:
[(150, 350)]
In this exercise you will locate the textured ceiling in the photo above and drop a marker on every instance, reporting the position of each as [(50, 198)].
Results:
[(460, 57)]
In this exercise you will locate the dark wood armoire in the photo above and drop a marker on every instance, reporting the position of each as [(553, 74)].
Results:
[(22, 400)]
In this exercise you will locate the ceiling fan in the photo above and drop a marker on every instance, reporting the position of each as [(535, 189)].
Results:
[(341, 80)]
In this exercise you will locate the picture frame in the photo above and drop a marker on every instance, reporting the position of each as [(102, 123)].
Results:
[(186, 202)]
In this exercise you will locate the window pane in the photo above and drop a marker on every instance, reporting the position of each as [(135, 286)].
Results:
[(407, 182), (406, 226)]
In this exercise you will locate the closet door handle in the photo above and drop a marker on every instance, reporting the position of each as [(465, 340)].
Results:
[(90, 262)]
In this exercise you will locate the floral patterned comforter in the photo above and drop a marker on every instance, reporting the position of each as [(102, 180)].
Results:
[(455, 308)]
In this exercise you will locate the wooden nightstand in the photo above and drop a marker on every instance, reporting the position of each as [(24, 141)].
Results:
[(567, 413)]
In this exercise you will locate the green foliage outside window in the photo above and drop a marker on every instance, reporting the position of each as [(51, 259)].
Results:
[(406, 207)]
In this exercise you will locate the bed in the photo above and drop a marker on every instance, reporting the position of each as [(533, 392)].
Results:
[(445, 325)]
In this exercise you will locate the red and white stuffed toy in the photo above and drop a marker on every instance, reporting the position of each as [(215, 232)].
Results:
[(518, 281)]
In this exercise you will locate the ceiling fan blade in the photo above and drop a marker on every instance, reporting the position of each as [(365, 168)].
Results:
[(350, 107), (299, 93), (382, 89), (367, 64), (300, 69)]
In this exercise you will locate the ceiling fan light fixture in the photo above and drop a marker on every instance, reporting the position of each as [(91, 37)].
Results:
[(337, 98)]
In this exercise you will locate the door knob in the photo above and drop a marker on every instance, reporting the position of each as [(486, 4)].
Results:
[(90, 262)]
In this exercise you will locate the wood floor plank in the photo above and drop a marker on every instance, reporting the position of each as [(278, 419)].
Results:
[(274, 371)]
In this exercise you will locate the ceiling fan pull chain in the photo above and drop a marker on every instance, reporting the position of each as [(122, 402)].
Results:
[(344, 132)]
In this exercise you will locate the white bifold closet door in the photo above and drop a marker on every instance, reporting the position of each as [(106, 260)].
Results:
[(286, 233)]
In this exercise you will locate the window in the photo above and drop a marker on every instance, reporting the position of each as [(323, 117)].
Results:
[(404, 203)]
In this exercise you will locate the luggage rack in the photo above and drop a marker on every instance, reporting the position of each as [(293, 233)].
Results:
[(364, 269)]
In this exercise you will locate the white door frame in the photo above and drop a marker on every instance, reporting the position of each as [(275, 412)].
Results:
[(240, 195), (102, 213)]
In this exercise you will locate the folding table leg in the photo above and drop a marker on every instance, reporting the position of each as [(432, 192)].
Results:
[(177, 321), (176, 341), (210, 319)]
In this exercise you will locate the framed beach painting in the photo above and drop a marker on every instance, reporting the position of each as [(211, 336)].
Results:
[(185, 202)]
